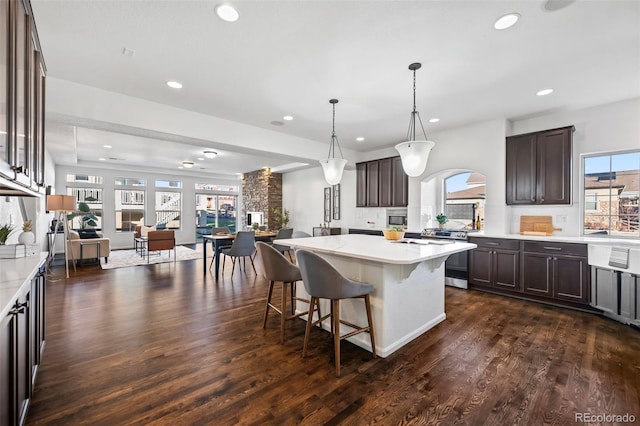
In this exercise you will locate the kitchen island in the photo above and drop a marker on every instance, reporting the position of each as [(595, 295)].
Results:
[(408, 278)]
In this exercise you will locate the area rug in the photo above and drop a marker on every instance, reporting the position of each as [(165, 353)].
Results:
[(125, 258)]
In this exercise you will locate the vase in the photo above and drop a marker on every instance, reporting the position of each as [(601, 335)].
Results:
[(441, 225), (27, 238)]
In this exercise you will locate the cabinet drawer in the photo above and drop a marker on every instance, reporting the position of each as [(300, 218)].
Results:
[(496, 243), (556, 248)]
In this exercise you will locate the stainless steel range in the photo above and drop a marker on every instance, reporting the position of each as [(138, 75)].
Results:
[(456, 265)]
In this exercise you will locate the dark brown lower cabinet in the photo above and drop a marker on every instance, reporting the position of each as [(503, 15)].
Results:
[(549, 272), (21, 337), (495, 263), (556, 270)]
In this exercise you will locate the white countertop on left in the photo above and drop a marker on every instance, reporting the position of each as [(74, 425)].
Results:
[(377, 248), (15, 278)]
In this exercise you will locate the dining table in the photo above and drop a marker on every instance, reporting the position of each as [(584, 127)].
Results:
[(222, 240)]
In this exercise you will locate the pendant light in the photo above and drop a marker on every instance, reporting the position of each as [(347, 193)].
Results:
[(415, 153), (332, 166)]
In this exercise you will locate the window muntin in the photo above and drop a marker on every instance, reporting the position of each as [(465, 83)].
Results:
[(168, 208), (85, 179), (173, 184), (129, 209), (216, 188), (93, 198), (611, 189), (135, 182)]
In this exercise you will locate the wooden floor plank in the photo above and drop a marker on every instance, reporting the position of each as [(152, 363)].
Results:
[(162, 344)]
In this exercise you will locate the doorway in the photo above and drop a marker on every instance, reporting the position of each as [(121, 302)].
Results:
[(214, 210)]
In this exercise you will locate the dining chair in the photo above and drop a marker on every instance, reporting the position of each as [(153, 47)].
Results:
[(323, 281), (215, 231), (300, 234), (278, 268), (282, 234), (243, 246)]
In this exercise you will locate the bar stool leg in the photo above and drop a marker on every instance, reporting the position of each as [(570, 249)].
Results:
[(335, 305), (307, 331), (266, 309), (367, 304), (283, 312)]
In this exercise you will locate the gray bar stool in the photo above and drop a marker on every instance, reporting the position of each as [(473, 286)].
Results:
[(322, 280), (278, 268)]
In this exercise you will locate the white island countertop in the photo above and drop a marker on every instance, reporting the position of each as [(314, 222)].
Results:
[(378, 249), (15, 279)]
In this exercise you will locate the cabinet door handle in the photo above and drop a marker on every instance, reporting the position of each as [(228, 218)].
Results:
[(16, 311), (553, 248), (533, 199), (493, 244)]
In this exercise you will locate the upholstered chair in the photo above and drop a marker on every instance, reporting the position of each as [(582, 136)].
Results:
[(323, 281)]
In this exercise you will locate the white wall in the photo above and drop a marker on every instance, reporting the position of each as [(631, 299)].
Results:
[(479, 147)]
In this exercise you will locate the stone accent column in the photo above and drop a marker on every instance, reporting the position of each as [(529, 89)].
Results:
[(261, 192)]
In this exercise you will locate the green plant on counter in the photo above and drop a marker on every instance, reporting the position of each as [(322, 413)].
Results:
[(441, 218), (255, 226), (396, 229), (5, 232)]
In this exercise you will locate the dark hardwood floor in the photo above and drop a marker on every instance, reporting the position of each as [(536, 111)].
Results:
[(162, 344)]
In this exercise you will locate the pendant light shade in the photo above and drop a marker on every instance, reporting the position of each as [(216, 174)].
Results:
[(415, 153), (333, 166), (414, 156)]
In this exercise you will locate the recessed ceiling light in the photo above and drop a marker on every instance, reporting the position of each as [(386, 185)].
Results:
[(506, 21), (287, 118), (200, 158), (434, 120), (544, 92), (360, 139), (210, 154), (107, 146), (102, 159), (187, 164), (227, 13), (174, 84)]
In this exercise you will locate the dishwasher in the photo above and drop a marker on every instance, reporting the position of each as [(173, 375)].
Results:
[(615, 277)]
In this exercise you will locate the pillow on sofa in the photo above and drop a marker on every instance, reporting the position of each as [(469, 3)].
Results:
[(73, 235), (86, 234), (144, 230)]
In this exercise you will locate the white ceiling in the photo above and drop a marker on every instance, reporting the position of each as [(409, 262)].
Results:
[(291, 57)]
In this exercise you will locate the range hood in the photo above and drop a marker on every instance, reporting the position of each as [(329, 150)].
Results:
[(13, 189)]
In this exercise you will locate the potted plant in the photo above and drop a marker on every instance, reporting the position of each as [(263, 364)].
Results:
[(87, 218), (281, 217), (26, 236), (5, 231), (442, 219), (393, 233), (255, 226)]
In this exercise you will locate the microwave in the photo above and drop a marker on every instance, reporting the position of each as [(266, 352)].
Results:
[(397, 220)]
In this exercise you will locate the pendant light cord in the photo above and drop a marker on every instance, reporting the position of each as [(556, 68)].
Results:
[(334, 138), (411, 133)]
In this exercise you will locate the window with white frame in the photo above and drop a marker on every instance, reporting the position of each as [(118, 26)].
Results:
[(168, 208), (611, 189), (129, 203), (89, 207)]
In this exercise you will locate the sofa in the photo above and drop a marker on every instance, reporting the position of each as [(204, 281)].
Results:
[(89, 251)]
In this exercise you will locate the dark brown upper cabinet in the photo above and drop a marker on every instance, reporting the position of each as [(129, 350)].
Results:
[(539, 167), (381, 183), (22, 86)]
